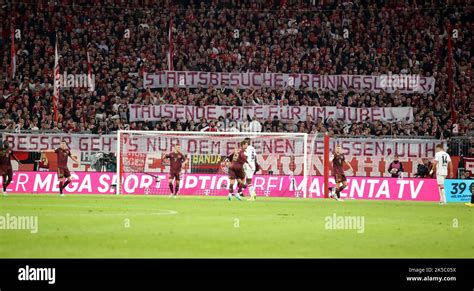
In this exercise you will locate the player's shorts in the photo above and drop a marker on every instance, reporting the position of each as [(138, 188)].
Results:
[(175, 175), (340, 178), (63, 173), (440, 179), (6, 170), (248, 171), (236, 173)]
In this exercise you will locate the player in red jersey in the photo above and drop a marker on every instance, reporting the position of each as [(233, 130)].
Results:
[(338, 161), (63, 153), (236, 162), (177, 161), (6, 170)]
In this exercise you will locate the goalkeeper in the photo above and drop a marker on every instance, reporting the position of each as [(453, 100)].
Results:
[(177, 161)]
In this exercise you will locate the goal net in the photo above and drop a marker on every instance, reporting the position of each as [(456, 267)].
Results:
[(143, 166)]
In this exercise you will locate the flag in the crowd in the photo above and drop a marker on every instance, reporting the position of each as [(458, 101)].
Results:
[(56, 82), (142, 66), (170, 39), (450, 75), (13, 56), (89, 74)]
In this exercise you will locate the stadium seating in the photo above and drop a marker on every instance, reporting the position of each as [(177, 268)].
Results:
[(278, 36)]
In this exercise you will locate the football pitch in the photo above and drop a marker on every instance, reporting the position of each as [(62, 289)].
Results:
[(146, 226)]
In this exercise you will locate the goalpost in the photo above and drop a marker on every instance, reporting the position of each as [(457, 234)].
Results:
[(143, 169)]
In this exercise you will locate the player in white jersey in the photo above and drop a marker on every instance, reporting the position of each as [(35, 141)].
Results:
[(442, 163), (251, 168)]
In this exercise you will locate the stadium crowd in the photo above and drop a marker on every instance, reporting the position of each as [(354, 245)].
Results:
[(286, 36)]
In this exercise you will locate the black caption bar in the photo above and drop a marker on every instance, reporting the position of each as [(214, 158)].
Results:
[(51, 274)]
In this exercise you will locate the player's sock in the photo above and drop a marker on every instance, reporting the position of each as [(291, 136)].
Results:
[(6, 182), (66, 183), (61, 186), (176, 189), (171, 188), (231, 190), (252, 191), (443, 196), (240, 186), (339, 190)]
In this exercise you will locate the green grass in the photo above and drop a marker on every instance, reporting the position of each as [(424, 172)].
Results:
[(161, 227)]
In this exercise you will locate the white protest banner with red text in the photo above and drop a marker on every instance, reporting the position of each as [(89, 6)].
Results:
[(370, 147), (35, 142), (248, 80), (263, 112)]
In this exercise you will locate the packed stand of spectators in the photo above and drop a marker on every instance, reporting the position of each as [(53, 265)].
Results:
[(286, 36)]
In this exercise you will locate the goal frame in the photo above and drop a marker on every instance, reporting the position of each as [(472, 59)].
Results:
[(217, 133)]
